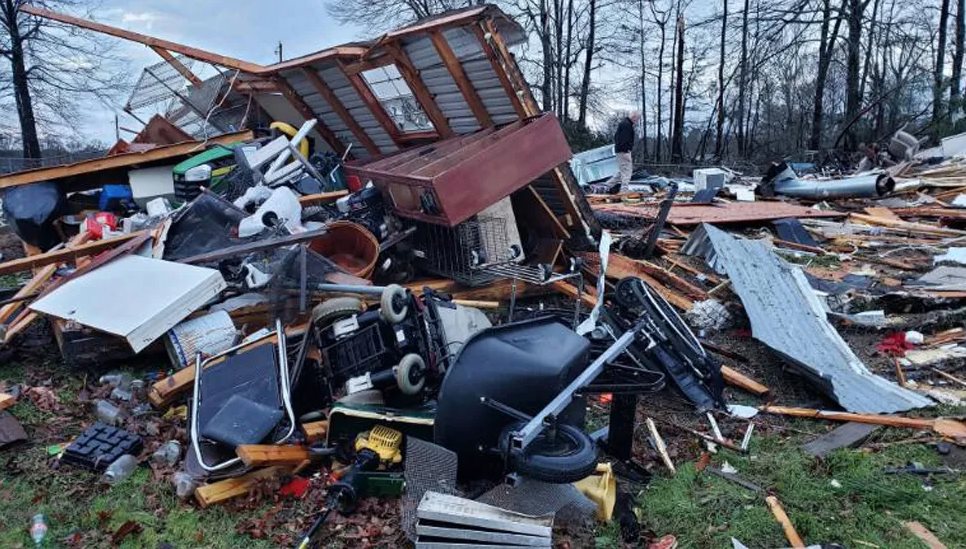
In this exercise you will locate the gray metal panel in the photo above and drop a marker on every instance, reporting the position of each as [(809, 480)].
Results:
[(358, 110), (322, 109), (787, 316), (441, 85), (480, 73)]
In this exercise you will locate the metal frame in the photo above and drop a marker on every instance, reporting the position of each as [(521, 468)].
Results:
[(284, 387)]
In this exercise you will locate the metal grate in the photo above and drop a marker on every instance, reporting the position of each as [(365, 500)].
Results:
[(429, 467), (464, 252), (157, 83)]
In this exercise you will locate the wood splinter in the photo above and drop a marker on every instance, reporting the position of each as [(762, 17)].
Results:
[(659, 444), (779, 513)]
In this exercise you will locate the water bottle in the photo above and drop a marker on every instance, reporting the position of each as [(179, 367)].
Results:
[(38, 529), (108, 413), (120, 469), (167, 454), (184, 484)]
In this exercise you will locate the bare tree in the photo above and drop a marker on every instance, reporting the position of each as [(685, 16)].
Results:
[(677, 134), (53, 68), (938, 80), (720, 106), (955, 84), (382, 15)]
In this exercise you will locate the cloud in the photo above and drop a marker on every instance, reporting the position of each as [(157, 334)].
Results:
[(144, 19)]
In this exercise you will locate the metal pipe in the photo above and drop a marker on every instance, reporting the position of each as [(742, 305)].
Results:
[(859, 186)]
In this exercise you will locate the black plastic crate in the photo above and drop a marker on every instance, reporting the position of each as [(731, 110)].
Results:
[(100, 445)]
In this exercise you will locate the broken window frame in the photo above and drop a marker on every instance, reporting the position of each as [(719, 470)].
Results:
[(398, 81)]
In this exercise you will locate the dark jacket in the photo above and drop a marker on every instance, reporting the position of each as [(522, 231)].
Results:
[(624, 136)]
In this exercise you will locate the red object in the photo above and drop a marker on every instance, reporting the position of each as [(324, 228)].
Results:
[(353, 183), (895, 344), (448, 182), (96, 223), (296, 488), (667, 542), (606, 398)]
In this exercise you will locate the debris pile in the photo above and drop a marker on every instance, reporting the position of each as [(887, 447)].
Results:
[(432, 308)]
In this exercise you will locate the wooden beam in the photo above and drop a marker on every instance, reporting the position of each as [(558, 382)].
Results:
[(315, 431), (779, 513), (256, 86), (949, 428), (229, 488), (513, 71), (257, 455), (321, 198), (177, 64), (64, 254), (737, 379), (343, 113), (501, 72), (373, 104), (462, 80), (303, 109), (188, 51), (87, 167), (411, 75), (7, 401)]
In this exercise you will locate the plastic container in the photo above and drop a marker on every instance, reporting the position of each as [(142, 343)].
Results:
[(108, 413), (209, 335), (118, 471), (38, 529)]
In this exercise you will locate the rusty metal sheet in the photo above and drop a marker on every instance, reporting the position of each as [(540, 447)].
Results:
[(452, 180), (736, 212)]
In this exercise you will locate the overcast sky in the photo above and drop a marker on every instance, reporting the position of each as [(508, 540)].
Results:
[(245, 29)]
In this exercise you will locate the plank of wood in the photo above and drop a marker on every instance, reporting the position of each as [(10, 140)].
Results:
[(321, 198), (735, 378), (501, 73), (587, 299), (31, 287), (778, 512), (924, 535), (64, 254), (373, 104), (7, 401), (848, 435), (224, 490), (410, 74), (315, 431), (918, 228), (884, 213), (88, 167), (257, 455), (948, 428), (619, 267), (659, 445)]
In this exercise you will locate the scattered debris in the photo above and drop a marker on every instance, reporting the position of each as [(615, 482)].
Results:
[(848, 435)]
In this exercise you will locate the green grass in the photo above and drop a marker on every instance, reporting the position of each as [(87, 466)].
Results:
[(703, 510)]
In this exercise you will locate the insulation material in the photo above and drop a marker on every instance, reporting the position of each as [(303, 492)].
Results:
[(787, 316)]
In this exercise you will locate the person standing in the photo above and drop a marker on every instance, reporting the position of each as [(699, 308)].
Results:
[(624, 139)]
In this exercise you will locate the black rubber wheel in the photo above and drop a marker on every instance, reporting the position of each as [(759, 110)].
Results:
[(566, 458)]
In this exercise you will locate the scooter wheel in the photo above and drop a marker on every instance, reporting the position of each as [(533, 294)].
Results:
[(324, 314), (393, 304), (411, 374), (569, 456)]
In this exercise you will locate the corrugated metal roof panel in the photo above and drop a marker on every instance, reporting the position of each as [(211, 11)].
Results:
[(787, 316)]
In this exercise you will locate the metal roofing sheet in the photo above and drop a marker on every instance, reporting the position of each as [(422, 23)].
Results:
[(787, 316), (685, 213)]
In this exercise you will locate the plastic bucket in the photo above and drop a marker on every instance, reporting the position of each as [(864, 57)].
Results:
[(209, 335), (350, 246)]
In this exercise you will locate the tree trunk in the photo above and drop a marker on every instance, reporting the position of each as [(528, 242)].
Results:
[(558, 55), (719, 136), (588, 64), (938, 87), (869, 51), (660, 94), (640, 9), (566, 80), (21, 84), (742, 80), (677, 141), (852, 67), (955, 93), (546, 88), (826, 46)]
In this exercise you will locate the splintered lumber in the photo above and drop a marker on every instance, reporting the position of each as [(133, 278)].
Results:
[(737, 379), (587, 298), (948, 428), (778, 512), (619, 266), (321, 198), (315, 431), (7, 401), (659, 445), (28, 289), (919, 228), (257, 455), (68, 254), (884, 213), (223, 490)]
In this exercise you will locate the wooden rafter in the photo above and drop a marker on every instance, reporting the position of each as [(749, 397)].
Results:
[(303, 109), (506, 58), (411, 75), (500, 72), (337, 106), (188, 51), (177, 64), (372, 103), (462, 80)]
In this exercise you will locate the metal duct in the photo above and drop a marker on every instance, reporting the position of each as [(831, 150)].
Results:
[(786, 182)]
